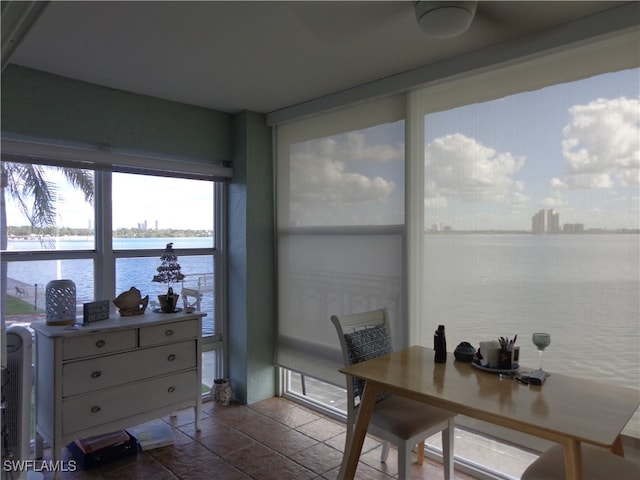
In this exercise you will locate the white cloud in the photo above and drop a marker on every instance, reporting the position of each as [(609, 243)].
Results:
[(558, 184), (345, 180), (355, 148), (320, 174), (518, 198), (436, 201), (457, 166), (554, 201), (602, 144)]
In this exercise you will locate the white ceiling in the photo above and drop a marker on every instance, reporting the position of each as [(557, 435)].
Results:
[(260, 56)]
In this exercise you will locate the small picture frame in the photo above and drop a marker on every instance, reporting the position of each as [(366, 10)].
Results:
[(95, 311)]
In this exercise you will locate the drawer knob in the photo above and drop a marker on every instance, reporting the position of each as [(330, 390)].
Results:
[(96, 374), (95, 409), (171, 357), (171, 389), (100, 343), (168, 332)]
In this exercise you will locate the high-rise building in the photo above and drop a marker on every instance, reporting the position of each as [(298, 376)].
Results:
[(573, 228), (546, 221)]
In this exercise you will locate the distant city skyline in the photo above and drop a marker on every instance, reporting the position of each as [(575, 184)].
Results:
[(545, 221)]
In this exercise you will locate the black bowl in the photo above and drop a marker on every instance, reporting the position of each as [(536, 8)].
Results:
[(464, 352)]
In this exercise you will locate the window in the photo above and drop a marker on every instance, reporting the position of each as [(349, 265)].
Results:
[(111, 241), (163, 206), (531, 224)]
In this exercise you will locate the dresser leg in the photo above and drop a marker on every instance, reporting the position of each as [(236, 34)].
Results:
[(198, 410)]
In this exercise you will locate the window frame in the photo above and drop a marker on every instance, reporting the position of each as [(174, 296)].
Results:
[(104, 256)]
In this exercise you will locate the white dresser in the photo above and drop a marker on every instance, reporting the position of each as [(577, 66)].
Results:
[(114, 374)]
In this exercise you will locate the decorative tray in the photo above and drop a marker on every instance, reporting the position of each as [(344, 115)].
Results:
[(515, 368), (159, 310)]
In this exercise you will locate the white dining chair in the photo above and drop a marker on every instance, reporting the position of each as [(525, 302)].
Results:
[(597, 464), (396, 419)]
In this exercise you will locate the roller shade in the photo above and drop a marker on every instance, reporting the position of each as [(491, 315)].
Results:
[(341, 231), (104, 158)]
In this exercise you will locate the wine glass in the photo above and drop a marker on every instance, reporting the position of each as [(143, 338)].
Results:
[(541, 341)]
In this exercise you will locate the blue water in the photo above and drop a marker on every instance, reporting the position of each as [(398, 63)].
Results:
[(137, 272)]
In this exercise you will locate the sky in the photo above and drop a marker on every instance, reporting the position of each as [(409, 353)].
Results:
[(573, 147), (171, 202)]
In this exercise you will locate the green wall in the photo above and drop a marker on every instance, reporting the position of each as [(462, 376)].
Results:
[(43, 106), (250, 261)]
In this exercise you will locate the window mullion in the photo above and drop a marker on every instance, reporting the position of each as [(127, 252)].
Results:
[(219, 265), (104, 268), (414, 214)]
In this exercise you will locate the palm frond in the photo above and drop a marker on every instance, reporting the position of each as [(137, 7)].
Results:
[(82, 180)]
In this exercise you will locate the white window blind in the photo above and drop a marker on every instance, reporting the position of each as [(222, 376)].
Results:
[(340, 184)]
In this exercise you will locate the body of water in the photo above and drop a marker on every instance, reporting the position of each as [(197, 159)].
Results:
[(582, 289), (130, 272)]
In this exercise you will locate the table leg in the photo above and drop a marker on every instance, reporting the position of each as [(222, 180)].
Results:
[(365, 410), (617, 446), (573, 460)]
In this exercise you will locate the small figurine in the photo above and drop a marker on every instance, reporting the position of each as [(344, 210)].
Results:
[(131, 302)]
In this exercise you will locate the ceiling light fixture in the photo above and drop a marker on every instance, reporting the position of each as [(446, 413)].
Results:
[(445, 19)]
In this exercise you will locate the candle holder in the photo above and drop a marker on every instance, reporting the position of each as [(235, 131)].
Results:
[(60, 301)]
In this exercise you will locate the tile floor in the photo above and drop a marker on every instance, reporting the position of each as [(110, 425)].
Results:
[(272, 439)]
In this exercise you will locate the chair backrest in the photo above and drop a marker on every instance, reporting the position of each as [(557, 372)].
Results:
[(362, 336)]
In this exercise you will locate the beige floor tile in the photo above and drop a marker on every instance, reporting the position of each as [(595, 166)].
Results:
[(273, 439)]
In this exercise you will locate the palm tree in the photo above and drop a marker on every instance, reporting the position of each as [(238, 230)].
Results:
[(27, 184)]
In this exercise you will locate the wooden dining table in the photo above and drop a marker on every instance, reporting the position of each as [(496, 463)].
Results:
[(564, 409)]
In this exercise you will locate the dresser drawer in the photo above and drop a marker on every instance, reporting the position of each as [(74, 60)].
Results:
[(98, 343), (169, 332), (86, 411), (111, 370)]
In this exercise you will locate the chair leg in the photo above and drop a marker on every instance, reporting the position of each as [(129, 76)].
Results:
[(404, 461), (385, 452), (347, 444), (448, 434)]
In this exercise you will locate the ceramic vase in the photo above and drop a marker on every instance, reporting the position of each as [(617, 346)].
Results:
[(221, 391)]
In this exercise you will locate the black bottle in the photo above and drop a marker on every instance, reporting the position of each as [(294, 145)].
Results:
[(440, 345)]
